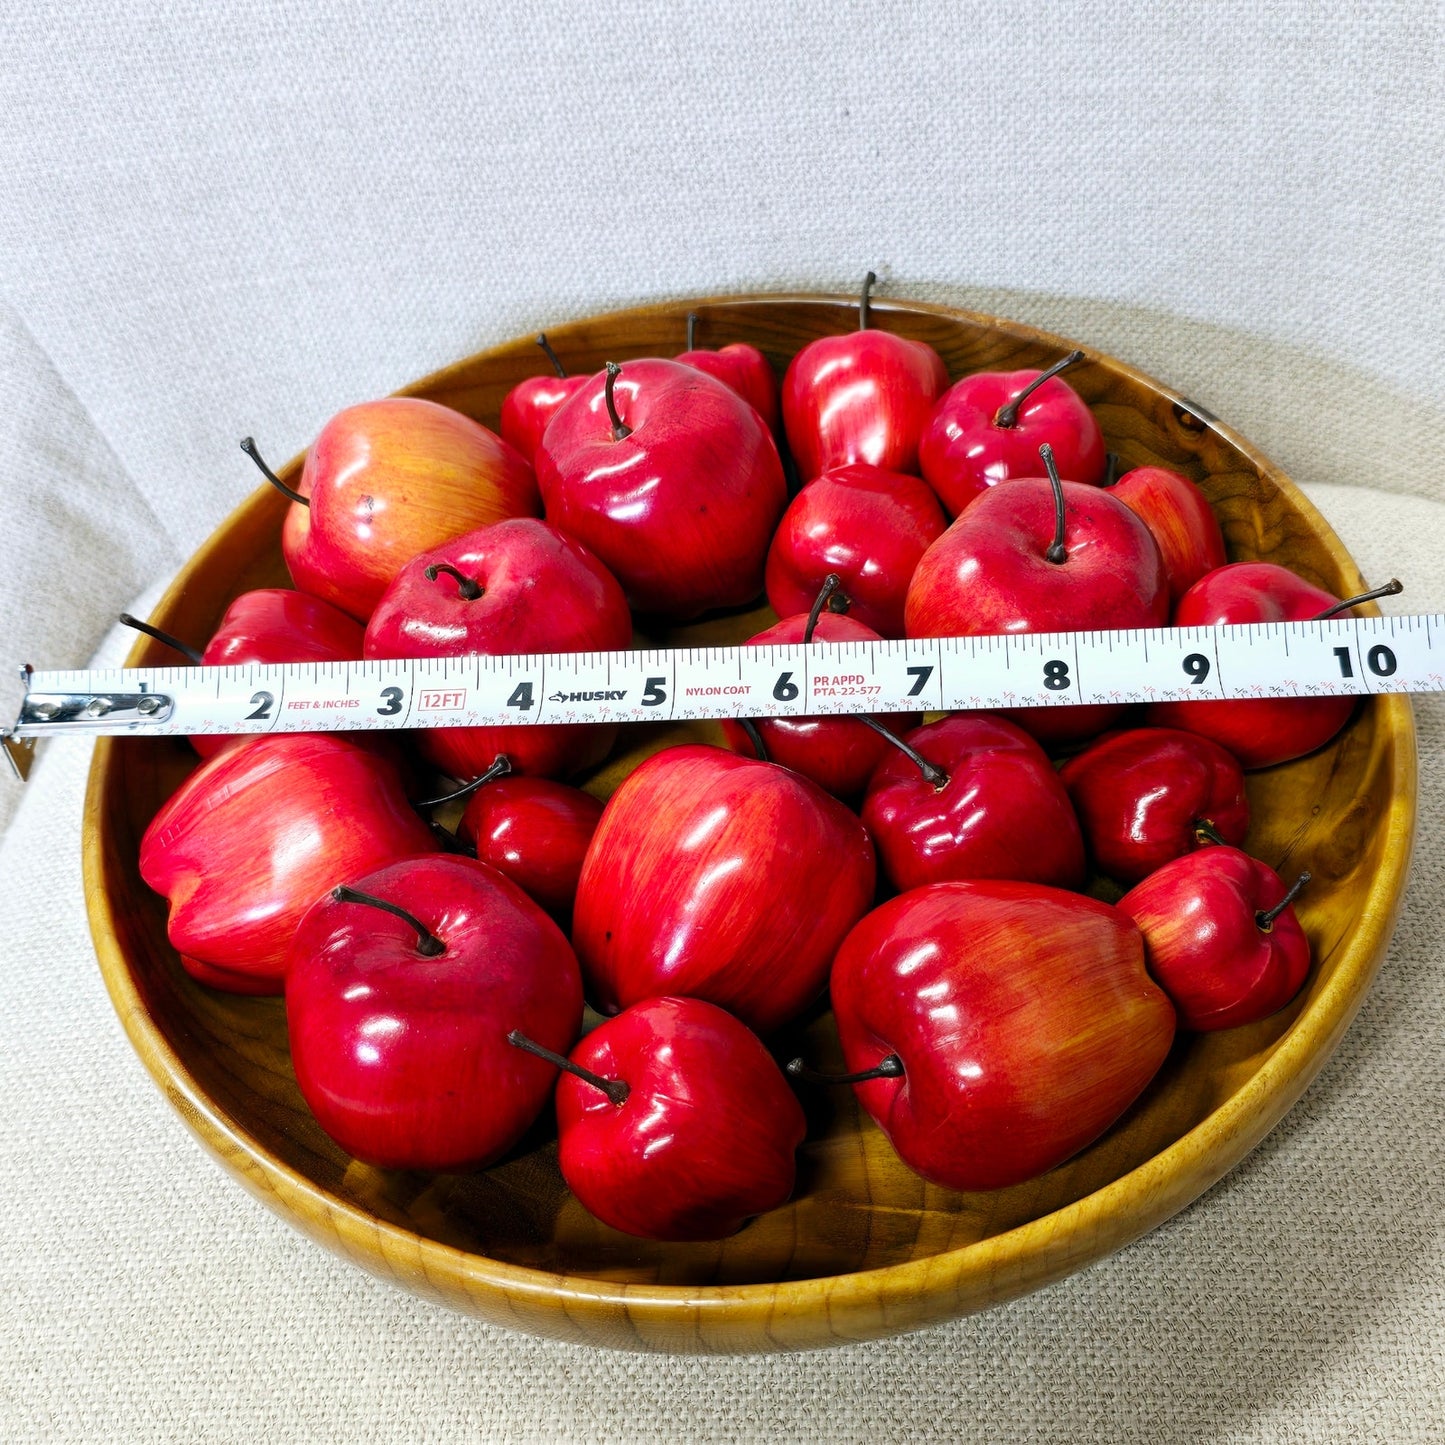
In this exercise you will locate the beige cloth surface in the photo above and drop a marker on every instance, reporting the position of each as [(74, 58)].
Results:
[(219, 220)]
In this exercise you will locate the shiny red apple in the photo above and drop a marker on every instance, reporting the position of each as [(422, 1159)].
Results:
[(531, 404), (671, 479), (1000, 1027), (869, 526), (988, 428), (719, 877), (534, 831), (516, 587), (1178, 514), (860, 397), (401, 989), (988, 804), (740, 366), (1041, 555), (838, 753), (1147, 795), (1221, 937), (257, 835), (675, 1123), (1259, 731), (270, 624), (385, 480)]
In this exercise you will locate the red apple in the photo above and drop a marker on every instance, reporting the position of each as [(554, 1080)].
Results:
[(1019, 1022), (256, 835), (1151, 794), (861, 397), (867, 525), (536, 832), (740, 366), (1178, 515), (722, 878), (1259, 731), (988, 429), (401, 989), (675, 1123), (385, 480), (669, 477), (1221, 937), (989, 805), (838, 753), (271, 624), (531, 404), (516, 587), (1021, 560)]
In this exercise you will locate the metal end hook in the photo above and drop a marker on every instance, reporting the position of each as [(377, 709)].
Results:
[(20, 752)]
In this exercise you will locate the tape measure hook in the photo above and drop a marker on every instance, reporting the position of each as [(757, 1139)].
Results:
[(20, 752)]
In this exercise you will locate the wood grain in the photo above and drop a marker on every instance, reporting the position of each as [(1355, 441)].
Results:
[(865, 1248)]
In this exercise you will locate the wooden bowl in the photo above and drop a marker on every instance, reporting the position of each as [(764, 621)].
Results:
[(865, 1248)]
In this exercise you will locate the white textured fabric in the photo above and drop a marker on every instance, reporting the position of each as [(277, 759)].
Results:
[(218, 220)]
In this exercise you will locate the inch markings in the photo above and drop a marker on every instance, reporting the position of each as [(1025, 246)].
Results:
[(1339, 656)]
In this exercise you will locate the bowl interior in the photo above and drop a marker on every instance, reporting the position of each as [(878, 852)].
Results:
[(856, 1207)]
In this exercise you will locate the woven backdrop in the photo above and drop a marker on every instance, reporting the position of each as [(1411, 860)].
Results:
[(227, 218)]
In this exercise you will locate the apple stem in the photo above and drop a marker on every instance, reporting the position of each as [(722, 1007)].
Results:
[(755, 738), (1007, 416), (427, 943), (551, 355), (501, 766), (863, 301), (616, 1090), (1206, 832), (1056, 553), (619, 429), (248, 446), (888, 1068), (1392, 588), (467, 588), (932, 773), (184, 648), (1111, 469), (691, 328), (829, 597), (1265, 918)]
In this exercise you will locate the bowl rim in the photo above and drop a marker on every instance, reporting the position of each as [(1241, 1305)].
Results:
[(865, 1303)]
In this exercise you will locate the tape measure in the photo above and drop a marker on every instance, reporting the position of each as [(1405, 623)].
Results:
[(1338, 656)]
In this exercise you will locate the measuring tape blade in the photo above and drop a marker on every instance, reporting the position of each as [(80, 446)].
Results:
[(1339, 656)]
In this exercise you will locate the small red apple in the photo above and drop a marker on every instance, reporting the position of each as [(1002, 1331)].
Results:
[(1147, 795), (675, 1123), (867, 525), (1260, 732), (985, 803), (671, 479), (1179, 516), (1041, 555), (1221, 937), (401, 989), (988, 428), (740, 366), (722, 878), (536, 832), (519, 586), (271, 624), (385, 480), (838, 753), (255, 836), (531, 404), (861, 397)]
